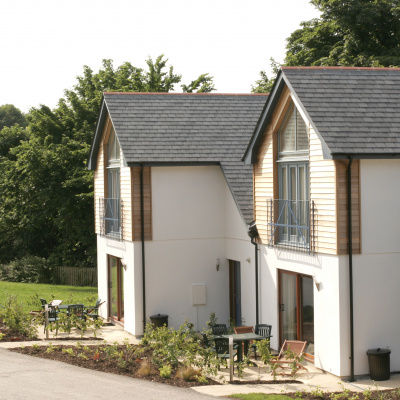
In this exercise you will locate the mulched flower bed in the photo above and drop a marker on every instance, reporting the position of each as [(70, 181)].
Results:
[(10, 335), (97, 358)]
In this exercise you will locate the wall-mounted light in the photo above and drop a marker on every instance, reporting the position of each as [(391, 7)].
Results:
[(123, 263), (217, 265), (317, 284), (248, 260)]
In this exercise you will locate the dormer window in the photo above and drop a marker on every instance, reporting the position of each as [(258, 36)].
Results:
[(292, 209), (112, 223)]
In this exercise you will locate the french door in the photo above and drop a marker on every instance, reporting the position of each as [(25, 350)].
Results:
[(115, 289), (235, 300), (296, 309)]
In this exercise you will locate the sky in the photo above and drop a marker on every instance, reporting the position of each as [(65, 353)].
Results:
[(45, 43)]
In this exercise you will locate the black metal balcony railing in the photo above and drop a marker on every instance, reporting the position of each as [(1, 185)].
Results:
[(111, 218), (291, 224)]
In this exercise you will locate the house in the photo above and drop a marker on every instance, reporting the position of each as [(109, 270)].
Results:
[(326, 159), (173, 201)]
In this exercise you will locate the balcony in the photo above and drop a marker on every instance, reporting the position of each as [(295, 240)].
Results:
[(291, 224), (111, 218)]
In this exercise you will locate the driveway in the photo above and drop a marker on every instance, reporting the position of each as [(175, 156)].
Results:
[(26, 377)]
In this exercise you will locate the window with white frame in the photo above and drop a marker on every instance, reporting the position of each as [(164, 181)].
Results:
[(293, 159)]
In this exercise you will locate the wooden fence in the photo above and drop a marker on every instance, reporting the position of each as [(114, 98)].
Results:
[(75, 276)]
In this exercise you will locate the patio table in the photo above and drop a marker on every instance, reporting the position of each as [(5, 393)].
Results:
[(243, 338)]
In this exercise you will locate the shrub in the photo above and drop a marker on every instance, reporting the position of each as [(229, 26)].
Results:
[(29, 269), (145, 369), (188, 374), (165, 371), (15, 318)]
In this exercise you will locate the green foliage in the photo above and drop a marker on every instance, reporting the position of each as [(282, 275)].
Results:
[(10, 116), (46, 191), (178, 347), (349, 33), (15, 318), (30, 269), (165, 371), (264, 84)]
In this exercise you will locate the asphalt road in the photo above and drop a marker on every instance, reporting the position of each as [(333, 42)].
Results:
[(27, 377)]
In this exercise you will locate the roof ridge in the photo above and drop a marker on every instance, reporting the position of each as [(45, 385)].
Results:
[(342, 68), (188, 94)]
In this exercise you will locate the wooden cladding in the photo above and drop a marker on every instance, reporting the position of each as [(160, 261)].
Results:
[(136, 215), (327, 183), (343, 206)]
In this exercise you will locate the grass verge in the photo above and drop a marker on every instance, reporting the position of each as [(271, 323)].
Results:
[(26, 292)]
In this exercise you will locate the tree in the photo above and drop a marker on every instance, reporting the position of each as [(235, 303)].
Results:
[(10, 116), (361, 33), (46, 191), (349, 33), (264, 85)]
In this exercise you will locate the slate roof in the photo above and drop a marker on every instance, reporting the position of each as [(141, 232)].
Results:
[(187, 129), (355, 111)]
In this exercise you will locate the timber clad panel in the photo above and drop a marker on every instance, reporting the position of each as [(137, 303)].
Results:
[(136, 210), (322, 183), (126, 197), (342, 204), (323, 193)]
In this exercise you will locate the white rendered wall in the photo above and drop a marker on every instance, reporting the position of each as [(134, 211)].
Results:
[(330, 303), (195, 222), (376, 272), (239, 248), (193, 212)]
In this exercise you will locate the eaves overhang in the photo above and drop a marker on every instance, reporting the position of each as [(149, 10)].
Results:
[(94, 149), (365, 156)]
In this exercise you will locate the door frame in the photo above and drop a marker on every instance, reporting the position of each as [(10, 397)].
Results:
[(299, 308), (120, 301)]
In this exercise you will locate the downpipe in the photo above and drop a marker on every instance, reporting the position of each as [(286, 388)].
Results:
[(143, 252), (253, 233), (350, 229)]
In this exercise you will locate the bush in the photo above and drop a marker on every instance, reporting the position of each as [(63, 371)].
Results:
[(16, 319), (29, 269)]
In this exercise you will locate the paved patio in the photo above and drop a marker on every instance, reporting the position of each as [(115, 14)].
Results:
[(311, 380)]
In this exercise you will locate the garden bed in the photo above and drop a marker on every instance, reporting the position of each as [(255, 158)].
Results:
[(115, 359)]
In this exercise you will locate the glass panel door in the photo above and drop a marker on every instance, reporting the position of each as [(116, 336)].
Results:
[(307, 313), (288, 304), (116, 284), (296, 309)]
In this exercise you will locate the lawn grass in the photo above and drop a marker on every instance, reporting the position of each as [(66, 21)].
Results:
[(27, 292), (260, 396)]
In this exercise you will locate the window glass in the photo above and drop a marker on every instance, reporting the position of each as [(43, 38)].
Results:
[(302, 133), (293, 135), (288, 134), (113, 149)]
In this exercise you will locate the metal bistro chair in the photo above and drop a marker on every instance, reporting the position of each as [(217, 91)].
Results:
[(219, 329), (52, 314), (93, 312), (222, 348), (77, 310), (44, 302), (262, 330)]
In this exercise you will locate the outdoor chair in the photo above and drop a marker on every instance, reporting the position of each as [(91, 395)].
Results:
[(297, 347), (262, 330), (52, 314), (222, 348), (44, 302), (219, 329), (77, 310), (244, 329), (93, 312)]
